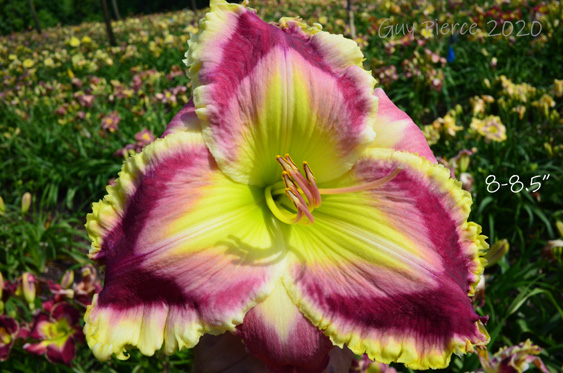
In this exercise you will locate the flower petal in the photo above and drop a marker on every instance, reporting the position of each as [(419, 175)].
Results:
[(61, 353), (224, 353), (67, 312), (512, 359), (394, 129), (277, 333), (185, 120), (9, 329), (187, 251), (41, 327), (387, 271), (364, 365), (263, 90), (36, 348)]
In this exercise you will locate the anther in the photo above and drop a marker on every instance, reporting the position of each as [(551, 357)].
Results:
[(299, 204), (311, 179)]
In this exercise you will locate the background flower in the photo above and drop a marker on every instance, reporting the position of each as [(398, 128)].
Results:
[(58, 333)]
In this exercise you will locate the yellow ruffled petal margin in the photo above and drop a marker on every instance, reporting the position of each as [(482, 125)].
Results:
[(110, 332)]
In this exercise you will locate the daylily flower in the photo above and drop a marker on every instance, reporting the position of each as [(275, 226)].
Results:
[(175, 71), (387, 75), (365, 365), (478, 105), (59, 331), (460, 162), (558, 87), (520, 110), (111, 121), (85, 100), (59, 293), (450, 126), (467, 181), (514, 359), (62, 290), (215, 229), (491, 128), (431, 134), (544, 104), (88, 286), (126, 151), (8, 332), (143, 138)]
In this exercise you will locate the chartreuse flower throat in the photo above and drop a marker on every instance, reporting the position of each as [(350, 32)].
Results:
[(291, 206)]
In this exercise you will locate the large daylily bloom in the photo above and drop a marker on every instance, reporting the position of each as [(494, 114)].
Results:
[(215, 229)]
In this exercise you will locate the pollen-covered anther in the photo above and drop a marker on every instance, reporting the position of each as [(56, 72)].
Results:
[(290, 171), (299, 203), (314, 189)]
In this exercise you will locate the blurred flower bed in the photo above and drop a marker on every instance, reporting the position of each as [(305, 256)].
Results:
[(72, 107)]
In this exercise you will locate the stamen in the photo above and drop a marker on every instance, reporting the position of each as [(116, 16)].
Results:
[(288, 158), (299, 204), (311, 179), (291, 170), (359, 188), (284, 216), (298, 188), (287, 181)]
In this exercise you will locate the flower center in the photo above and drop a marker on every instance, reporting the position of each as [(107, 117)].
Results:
[(5, 336), (303, 192)]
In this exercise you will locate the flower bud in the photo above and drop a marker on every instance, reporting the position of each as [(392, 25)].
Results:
[(68, 279), (463, 162), (29, 289), (467, 181), (2, 206), (552, 251), (479, 298), (487, 83), (496, 252), (26, 202), (494, 62)]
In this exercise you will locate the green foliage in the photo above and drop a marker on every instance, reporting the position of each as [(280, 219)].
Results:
[(15, 15)]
